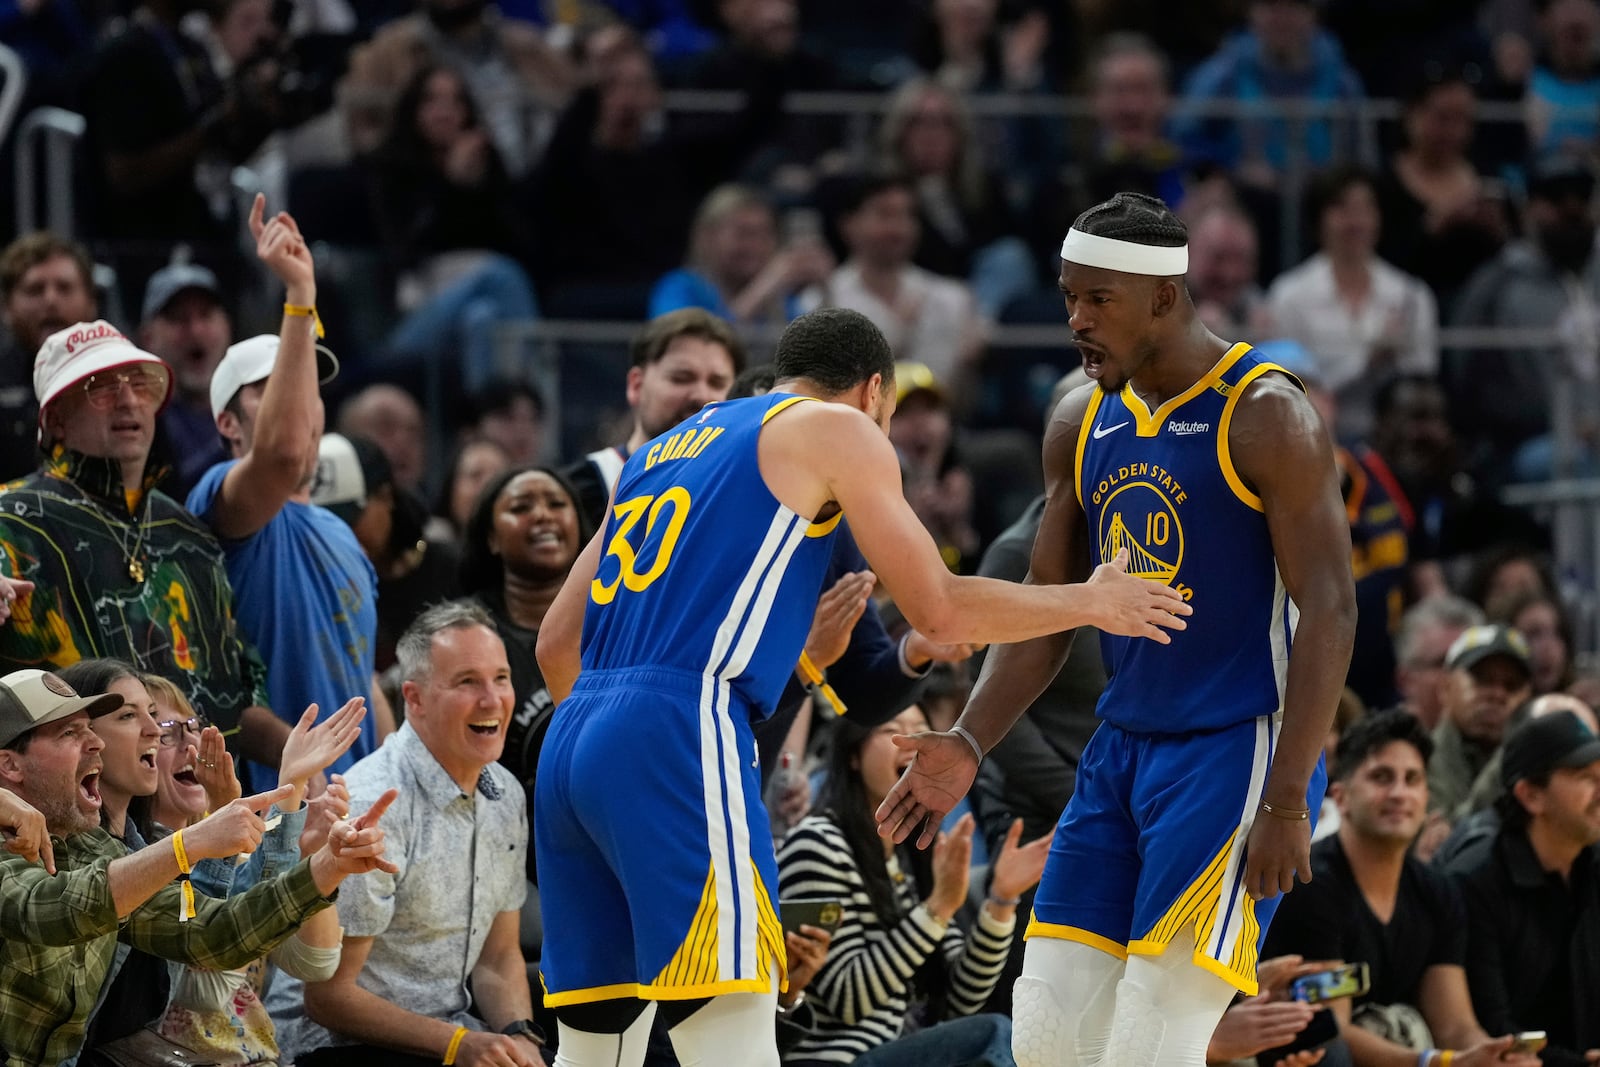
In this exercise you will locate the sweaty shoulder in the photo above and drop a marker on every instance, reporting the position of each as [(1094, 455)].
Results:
[(807, 447), (1270, 409), (1065, 427)]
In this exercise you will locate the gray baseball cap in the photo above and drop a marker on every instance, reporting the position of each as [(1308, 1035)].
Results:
[(165, 284), (30, 698)]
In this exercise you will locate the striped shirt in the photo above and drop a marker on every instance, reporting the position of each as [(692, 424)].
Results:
[(862, 994)]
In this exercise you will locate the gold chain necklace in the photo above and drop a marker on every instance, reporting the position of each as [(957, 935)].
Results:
[(131, 556)]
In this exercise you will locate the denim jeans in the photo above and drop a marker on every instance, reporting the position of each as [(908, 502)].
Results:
[(462, 319), (973, 1041)]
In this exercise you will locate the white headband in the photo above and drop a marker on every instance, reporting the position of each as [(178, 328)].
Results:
[(1124, 256)]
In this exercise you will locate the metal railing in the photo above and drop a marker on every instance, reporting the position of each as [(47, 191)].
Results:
[(50, 134), (16, 83)]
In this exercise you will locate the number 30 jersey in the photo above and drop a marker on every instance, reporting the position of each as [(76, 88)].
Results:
[(1162, 485), (703, 570)]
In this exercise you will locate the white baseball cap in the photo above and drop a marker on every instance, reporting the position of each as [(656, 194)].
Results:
[(69, 356), (252, 360)]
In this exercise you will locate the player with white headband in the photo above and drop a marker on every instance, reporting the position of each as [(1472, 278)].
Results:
[(1197, 795)]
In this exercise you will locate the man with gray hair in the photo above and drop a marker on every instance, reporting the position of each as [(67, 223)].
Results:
[(459, 837), (1427, 630)]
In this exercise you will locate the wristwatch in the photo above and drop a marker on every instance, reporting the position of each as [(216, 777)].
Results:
[(525, 1028), (799, 999)]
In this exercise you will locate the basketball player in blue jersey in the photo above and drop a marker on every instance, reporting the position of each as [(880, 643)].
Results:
[(1192, 811), (678, 627)]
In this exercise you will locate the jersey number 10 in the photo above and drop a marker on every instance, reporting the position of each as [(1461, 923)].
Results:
[(670, 510)]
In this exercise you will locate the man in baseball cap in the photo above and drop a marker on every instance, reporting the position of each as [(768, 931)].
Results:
[(264, 397), (99, 394), (1487, 678), (60, 921), (1534, 897), (185, 322)]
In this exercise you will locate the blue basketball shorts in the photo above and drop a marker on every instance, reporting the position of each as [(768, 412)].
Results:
[(1153, 844), (655, 853)]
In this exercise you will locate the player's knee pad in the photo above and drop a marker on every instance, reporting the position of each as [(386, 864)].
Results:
[(1167, 1010), (586, 1048), (1062, 1005), (743, 1021)]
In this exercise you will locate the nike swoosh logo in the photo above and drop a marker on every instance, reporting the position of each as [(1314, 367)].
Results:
[(1101, 431)]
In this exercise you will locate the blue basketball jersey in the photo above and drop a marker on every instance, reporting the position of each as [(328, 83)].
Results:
[(1163, 486), (703, 569)]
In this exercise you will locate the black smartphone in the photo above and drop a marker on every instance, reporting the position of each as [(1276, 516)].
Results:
[(827, 914)]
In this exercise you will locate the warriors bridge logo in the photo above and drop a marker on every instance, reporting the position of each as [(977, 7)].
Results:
[(1139, 516)]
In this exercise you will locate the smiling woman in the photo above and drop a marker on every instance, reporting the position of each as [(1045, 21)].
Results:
[(519, 543)]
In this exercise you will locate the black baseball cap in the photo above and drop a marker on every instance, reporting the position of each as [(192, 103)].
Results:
[(1545, 744)]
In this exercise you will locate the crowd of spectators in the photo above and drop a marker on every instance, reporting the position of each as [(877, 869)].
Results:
[(203, 551)]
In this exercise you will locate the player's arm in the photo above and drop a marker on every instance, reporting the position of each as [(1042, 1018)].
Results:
[(1014, 675), (559, 645), (861, 472), (1282, 451)]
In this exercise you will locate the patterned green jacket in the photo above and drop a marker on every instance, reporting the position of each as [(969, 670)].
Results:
[(143, 583)]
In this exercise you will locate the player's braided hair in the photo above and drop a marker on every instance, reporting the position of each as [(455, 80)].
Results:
[(1134, 217)]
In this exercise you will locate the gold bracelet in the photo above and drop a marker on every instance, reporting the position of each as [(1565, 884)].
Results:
[(455, 1043), (1291, 814), (304, 311)]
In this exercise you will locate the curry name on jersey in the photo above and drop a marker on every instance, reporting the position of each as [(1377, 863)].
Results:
[(736, 605)]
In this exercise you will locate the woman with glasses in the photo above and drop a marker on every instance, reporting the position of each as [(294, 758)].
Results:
[(219, 1014)]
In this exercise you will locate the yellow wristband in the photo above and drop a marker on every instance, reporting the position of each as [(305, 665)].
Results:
[(455, 1044), (302, 311), (818, 682), (186, 890), (1445, 1057)]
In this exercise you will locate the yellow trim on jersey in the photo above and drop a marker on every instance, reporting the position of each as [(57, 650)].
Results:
[(1224, 454), (695, 962), (784, 405), (825, 527), (1074, 933), (1084, 431), (692, 971), (1147, 424), (645, 992), (1199, 907)]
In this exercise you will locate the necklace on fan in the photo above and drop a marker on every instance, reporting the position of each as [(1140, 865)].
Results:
[(132, 555)]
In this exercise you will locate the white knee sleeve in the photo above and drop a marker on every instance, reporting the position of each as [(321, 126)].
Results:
[(1167, 1010), (1062, 1006), (747, 1022), (579, 1048)]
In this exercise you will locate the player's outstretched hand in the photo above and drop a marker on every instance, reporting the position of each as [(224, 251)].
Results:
[(940, 773), (1278, 854), (1134, 607)]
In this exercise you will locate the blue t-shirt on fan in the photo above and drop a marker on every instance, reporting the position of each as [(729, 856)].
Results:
[(307, 596)]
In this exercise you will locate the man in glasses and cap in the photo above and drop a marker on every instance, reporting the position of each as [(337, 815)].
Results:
[(119, 568), (61, 915)]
